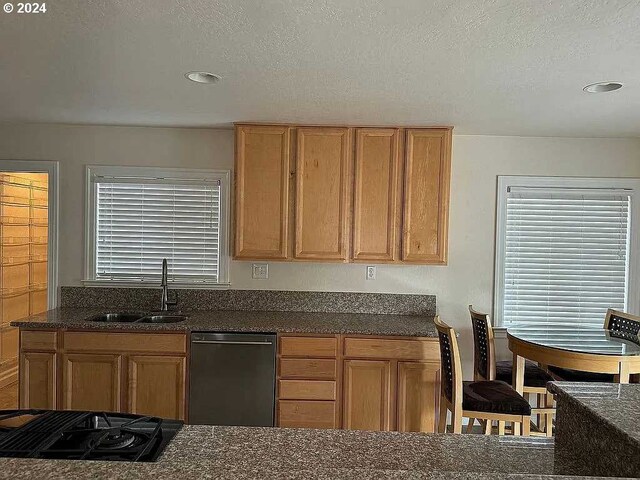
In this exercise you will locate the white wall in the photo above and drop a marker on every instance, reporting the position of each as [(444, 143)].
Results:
[(477, 160)]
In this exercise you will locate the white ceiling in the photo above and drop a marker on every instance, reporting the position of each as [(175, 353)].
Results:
[(507, 67)]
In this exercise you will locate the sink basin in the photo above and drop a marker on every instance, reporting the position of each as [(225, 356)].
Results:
[(125, 317), (163, 318)]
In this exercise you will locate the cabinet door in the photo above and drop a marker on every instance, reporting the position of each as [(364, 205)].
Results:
[(418, 391), (91, 382), (367, 395), (156, 386), (38, 380), (375, 207), (322, 193), (426, 195), (262, 191)]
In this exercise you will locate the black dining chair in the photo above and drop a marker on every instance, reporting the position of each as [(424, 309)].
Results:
[(485, 367), (486, 400), (620, 324)]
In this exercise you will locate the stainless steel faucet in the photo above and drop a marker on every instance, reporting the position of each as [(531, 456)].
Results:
[(164, 306)]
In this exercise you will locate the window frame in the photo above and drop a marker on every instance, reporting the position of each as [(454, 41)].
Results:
[(149, 173), (506, 181)]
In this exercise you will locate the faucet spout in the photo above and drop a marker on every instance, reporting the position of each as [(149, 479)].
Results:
[(164, 303)]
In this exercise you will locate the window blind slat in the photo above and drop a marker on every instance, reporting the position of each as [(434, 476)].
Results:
[(140, 223), (566, 255)]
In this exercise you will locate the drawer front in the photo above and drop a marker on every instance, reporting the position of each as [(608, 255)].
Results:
[(124, 342), (392, 349), (307, 390), (310, 368), (308, 346), (301, 414), (38, 340)]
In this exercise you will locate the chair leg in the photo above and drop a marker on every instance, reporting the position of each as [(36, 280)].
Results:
[(526, 426), (487, 427), (470, 425), (501, 424), (456, 421), (548, 427), (540, 417), (442, 422)]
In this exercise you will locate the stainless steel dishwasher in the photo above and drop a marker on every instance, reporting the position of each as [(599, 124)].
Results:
[(232, 379)]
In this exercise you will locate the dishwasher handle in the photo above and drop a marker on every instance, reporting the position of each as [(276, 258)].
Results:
[(229, 342)]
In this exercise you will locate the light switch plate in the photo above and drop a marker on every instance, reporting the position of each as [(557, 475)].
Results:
[(260, 271), (371, 272)]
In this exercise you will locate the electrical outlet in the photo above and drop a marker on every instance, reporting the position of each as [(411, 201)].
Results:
[(371, 272), (260, 271)]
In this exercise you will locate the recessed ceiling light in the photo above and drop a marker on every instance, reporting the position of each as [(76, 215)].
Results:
[(602, 87), (202, 77)]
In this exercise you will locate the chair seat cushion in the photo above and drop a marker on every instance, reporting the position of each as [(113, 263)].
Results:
[(578, 376), (493, 397), (534, 376)]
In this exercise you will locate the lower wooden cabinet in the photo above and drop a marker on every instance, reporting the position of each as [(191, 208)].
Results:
[(91, 382), (418, 396), (156, 386), (307, 414), (38, 380), (367, 395)]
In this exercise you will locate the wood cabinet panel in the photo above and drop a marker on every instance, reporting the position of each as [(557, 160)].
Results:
[(307, 389), (125, 342), (156, 385), (308, 346), (38, 340), (392, 349), (376, 199), (418, 391), (426, 195), (311, 368), (307, 414), (323, 187), (262, 191), (38, 380), (367, 395), (91, 382)]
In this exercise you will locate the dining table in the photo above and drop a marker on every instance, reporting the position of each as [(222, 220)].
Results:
[(587, 348)]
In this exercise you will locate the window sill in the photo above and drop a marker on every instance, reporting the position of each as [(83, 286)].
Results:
[(500, 332), (173, 286)]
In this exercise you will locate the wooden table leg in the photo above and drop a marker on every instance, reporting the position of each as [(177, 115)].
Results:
[(623, 376), (518, 382)]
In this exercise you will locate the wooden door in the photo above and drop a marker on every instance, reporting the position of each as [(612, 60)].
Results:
[(38, 380), (91, 382), (368, 395), (376, 199), (426, 195), (262, 192), (323, 187), (418, 392), (156, 386)]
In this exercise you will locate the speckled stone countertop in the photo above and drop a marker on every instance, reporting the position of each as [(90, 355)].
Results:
[(201, 452), (611, 410), (246, 321)]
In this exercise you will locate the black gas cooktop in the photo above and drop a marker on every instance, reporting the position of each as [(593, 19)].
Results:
[(76, 435)]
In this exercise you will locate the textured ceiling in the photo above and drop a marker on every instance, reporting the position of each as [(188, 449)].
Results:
[(507, 67)]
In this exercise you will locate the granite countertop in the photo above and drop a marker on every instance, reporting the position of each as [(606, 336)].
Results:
[(199, 452), (246, 321)]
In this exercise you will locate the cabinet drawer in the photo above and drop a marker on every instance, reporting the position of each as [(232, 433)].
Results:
[(308, 346), (124, 342), (307, 390), (311, 368), (301, 414), (38, 340), (392, 349)]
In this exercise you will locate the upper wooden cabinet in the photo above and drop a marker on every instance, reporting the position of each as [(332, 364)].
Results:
[(323, 187), (262, 191), (377, 195), (426, 195)]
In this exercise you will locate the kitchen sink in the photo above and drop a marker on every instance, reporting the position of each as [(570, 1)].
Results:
[(123, 317), (162, 318)]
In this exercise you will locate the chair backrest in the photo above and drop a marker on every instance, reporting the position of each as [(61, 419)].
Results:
[(625, 324), (484, 357), (451, 367)]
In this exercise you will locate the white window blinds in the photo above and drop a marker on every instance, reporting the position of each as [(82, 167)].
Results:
[(566, 255), (140, 221)]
